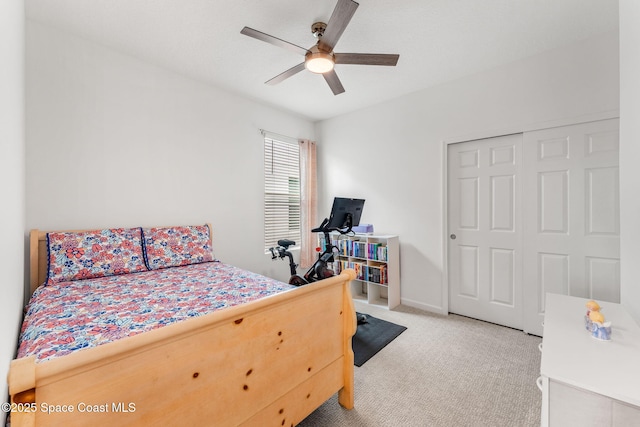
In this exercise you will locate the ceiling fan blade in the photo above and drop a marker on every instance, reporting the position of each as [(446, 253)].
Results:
[(339, 20), (334, 82), (290, 72), (273, 40), (367, 58)]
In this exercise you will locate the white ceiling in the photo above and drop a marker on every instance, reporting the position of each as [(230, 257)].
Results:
[(438, 40)]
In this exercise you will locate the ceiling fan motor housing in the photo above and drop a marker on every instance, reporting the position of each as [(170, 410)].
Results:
[(318, 29)]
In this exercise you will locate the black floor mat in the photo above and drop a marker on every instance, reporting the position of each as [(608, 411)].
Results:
[(372, 336)]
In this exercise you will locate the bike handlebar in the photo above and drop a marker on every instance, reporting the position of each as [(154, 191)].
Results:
[(322, 226)]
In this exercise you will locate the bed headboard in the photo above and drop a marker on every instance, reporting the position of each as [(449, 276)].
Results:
[(37, 259), (38, 262)]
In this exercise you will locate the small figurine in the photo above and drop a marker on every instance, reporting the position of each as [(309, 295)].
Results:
[(592, 307), (600, 329)]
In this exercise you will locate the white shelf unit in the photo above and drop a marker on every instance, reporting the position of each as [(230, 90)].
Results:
[(377, 263)]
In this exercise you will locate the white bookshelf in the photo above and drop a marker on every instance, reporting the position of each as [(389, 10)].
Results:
[(377, 263)]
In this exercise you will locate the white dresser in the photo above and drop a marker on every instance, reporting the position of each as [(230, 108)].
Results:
[(584, 381)]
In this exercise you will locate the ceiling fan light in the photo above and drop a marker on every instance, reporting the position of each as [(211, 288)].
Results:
[(319, 62)]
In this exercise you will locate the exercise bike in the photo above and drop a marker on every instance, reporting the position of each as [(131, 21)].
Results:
[(320, 269), (345, 214)]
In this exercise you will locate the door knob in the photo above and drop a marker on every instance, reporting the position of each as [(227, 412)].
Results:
[(453, 237)]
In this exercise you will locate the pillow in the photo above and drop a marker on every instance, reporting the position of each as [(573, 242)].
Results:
[(91, 254), (175, 246)]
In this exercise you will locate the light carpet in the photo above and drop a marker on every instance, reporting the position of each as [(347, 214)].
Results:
[(442, 371)]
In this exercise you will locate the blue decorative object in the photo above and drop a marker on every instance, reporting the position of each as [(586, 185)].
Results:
[(601, 331), (363, 228)]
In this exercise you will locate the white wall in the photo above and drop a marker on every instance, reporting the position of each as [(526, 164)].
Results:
[(391, 154), (11, 181), (103, 128), (114, 141), (630, 155)]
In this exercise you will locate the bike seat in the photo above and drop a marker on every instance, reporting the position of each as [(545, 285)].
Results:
[(285, 243)]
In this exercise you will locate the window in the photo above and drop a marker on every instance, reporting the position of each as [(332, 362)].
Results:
[(281, 191)]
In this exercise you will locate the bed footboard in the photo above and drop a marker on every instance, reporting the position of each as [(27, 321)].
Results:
[(268, 362)]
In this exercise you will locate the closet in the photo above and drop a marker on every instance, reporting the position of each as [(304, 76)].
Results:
[(532, 213)]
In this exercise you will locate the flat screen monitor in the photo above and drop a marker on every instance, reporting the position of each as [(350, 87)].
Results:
[(345, 213)]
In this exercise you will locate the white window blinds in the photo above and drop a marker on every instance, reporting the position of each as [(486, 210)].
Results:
[(281, 191)]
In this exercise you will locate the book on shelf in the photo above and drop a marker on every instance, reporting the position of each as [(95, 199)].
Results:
[(361, 269), (377, 274), (357, 249), (377, 251), (364, 272)]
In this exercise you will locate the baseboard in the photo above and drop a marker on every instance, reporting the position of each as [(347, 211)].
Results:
[(422, 306)]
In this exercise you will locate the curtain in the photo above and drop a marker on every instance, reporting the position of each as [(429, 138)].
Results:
[(308, 202)]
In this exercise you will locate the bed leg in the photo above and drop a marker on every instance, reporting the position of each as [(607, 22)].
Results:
[(345, 396)]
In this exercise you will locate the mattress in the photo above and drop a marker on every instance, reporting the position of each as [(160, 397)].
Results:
[(64, 317)]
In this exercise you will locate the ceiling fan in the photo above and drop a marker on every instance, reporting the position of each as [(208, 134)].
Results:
[(321, 58)]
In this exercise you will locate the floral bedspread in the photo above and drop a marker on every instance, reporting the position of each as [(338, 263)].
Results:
[(67, 316)]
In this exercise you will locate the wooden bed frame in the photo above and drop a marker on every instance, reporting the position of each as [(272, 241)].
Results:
[(268, 362)]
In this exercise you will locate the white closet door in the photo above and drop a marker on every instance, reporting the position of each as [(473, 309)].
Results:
[(571, 216), (484, 230)]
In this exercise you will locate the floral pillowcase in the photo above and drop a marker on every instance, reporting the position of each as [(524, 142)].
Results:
[(91, 254), (176, 246)]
